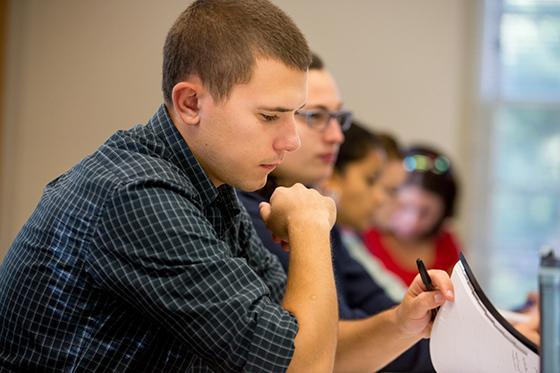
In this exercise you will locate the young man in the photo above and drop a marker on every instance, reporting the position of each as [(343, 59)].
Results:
[(365, 342), (140, 258)]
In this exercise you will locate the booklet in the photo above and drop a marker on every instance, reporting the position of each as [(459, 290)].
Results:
[(470, 335)]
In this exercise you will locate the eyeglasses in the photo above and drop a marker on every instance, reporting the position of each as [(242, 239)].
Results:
[(319, 119), (423, 163)]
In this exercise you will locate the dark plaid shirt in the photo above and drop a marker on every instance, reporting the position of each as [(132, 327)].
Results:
[(133, 261)]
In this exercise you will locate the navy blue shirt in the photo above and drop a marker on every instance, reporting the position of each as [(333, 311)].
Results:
[(358, 294), (134, 261)]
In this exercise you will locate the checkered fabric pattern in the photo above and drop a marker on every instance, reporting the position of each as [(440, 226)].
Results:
[(134, 262)]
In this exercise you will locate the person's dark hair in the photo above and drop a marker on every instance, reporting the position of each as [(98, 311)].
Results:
[(316, 62), (220, 40), (358, 143), (391, 146), (432, 171)]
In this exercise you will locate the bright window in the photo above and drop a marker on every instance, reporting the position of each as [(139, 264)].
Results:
[(521, 85)]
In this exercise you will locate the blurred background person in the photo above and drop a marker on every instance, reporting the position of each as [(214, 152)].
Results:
[(419, 224), (391, 179), (366, 184), (354, 183), (367, 173)]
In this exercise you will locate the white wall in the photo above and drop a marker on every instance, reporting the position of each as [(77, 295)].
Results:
[(78, 70)]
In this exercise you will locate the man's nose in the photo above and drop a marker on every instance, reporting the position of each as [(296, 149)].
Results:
[(289, 140), (333, 132)]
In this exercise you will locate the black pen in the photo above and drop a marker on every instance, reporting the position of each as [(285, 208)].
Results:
[(427, 282)]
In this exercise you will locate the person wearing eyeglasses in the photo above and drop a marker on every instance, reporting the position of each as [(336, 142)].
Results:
[(419, 224), (320, 139), (391, 339)]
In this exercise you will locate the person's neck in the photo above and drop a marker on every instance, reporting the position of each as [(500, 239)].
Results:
[(284, 182), (411, 242), (287, 182), (273, 182), (182, 128)]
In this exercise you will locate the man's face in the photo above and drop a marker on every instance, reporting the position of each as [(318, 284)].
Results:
[(240, 140), (313, 162)]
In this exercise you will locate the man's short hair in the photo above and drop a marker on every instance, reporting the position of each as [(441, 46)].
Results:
[(220, 40)]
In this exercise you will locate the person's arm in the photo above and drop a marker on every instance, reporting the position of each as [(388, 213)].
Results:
[(364, 295), (370, 344), (304, 218)]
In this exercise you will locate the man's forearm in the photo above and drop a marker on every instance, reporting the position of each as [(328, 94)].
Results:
[(311, 296), (368, 345)]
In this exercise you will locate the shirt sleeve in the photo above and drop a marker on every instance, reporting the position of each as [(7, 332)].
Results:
[(155, 250)]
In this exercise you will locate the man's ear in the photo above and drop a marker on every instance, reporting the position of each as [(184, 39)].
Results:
[(186, 100)]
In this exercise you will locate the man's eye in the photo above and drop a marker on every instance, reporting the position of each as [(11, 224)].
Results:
[(317, 116), (269, 118)]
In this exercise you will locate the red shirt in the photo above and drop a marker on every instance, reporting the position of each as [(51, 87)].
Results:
[(447, 254)]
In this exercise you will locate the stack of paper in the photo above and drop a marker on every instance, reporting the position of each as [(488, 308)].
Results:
[(470, 335)]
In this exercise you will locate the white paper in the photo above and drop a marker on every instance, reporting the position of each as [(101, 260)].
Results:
[(467, 337)]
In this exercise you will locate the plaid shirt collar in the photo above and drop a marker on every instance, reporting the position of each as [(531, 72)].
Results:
[(183, 157)]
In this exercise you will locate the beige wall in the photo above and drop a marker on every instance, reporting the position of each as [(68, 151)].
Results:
[(78, 70), (399, 63), (3, 48)]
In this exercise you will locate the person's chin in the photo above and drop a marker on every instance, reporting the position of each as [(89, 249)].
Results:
[(252, 186), (406, 236), (318, 177), (326, 171)]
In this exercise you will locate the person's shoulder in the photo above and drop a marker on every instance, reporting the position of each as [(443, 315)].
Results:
[(447, 236), (447, 246), (131, 157)]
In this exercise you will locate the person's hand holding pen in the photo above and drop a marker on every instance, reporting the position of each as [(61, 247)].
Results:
[(415, 311), (427, 281)]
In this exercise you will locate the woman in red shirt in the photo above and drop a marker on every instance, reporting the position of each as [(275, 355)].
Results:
[(416, 226)]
